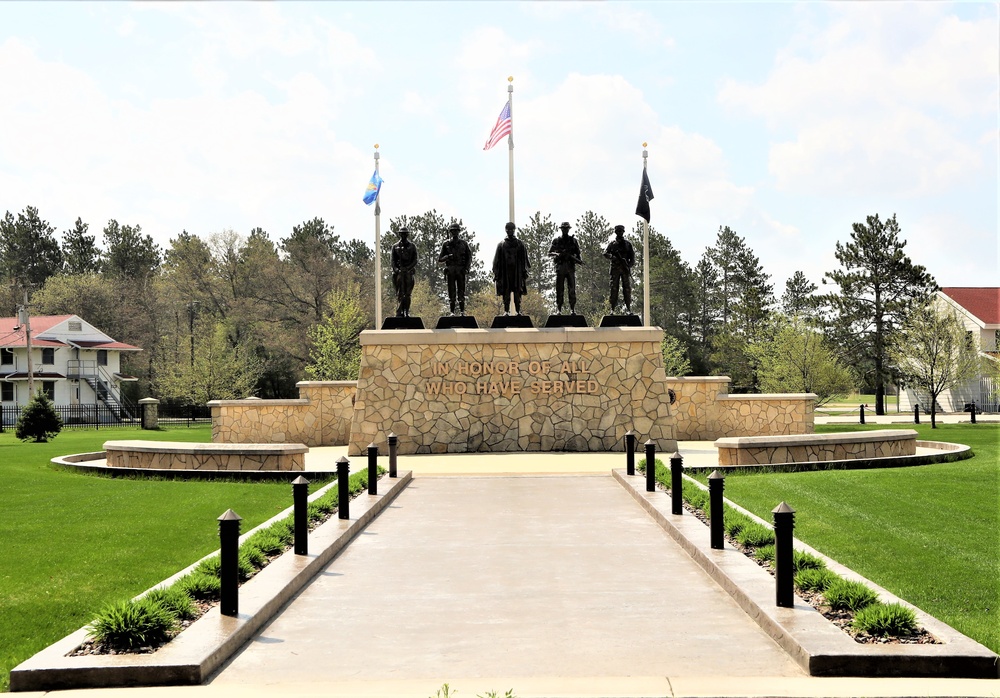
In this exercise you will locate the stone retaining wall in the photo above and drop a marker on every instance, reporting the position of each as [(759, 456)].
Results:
[(458, 391), (705, 410), (816, 448), (160, 455), (320, 417)]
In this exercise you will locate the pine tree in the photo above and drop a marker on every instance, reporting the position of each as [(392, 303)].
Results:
[(39, 420), (878, 285), (79, 250), (29, 252)]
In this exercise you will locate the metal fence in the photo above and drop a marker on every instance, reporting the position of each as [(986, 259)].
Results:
[(184, 414), (989, 395), (99, 416)]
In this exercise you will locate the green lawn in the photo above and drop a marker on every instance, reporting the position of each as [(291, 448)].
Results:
[(929, 534), (72, 542)]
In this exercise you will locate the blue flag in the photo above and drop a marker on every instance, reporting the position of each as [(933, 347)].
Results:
[(372, 190)]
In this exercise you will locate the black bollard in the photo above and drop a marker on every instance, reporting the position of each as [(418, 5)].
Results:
[(343, 488), (716, 509), (372, 469), (300, 514), (229, 551), (784, 566), (916, 413), (630, 452), (650, 466), (676, 484), (861, 411), (973, 411), (393, 444)]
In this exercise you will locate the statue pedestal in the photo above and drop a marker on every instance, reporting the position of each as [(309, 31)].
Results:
[(621, 321), (452, 322), (566, 321), (503, 322), (402, 323), (512, 390)]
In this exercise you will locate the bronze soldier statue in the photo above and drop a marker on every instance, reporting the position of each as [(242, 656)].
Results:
[(404, 262), (456, 256), (510, 270), (565, 254), (622, 257)]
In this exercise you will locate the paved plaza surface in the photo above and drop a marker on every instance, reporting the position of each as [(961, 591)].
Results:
[(509, 577)]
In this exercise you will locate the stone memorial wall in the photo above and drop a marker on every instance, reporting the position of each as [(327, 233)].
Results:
[(457, 391)]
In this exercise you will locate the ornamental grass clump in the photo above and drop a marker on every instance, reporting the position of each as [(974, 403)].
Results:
[(802, 560), (765, 553), (735, 522), (755, 535), (849, 595), (267, 542), (202, 586), (176, 600), (817, 580), (697, 498), (883, 619), (132, 625)]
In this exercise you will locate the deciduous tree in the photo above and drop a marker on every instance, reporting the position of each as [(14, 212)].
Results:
[(933, 352)]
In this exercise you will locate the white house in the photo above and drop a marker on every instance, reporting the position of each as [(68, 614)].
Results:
[(978, 308), (73, 362)]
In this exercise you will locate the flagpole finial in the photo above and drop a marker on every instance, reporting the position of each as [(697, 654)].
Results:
[(510, 78), (376, 146)]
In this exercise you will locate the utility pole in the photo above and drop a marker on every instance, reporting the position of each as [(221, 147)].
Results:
[(25, 320)]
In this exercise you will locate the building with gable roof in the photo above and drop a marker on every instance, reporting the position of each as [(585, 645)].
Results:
[(978, 308), (74, 363)]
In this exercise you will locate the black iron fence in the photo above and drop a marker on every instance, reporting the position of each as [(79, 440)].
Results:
[(100, 416), (181, 414)]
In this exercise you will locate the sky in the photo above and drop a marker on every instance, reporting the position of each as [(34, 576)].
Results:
[(787, 122)]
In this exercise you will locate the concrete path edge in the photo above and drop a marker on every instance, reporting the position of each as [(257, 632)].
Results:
[(817, 645), (211, 640)]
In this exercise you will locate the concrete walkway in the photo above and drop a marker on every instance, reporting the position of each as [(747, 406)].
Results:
[(514, 577)]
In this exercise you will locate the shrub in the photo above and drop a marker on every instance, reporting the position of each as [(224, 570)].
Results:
[(38, 421), (765, 553), (847, 594), (201, 586), (129, 625), (811, 579), (176, 600), (885, 619), (755, 535), (267, 542), (806, 561), (253, 554)]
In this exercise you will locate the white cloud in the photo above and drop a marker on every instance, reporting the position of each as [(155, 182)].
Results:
[(867, 106)]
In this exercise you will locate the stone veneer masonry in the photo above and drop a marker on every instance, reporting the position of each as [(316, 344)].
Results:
[(320, 417), (159, 455), (704, 410), (822, 448), (562, 389)]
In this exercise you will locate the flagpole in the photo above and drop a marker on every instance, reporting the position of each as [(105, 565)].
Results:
[(510, 145), (378, 252), (645, 255)]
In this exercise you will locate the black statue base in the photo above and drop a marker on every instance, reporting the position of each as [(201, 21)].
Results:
[(621, 321), (452, 322), (402, 323), (566, 321), (502, 322)]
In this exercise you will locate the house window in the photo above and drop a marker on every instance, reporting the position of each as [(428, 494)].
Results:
[(48, 355), (49, 388), (102, 357), (6, 357), (7, 392)]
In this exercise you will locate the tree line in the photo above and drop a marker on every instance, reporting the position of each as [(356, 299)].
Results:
[(230, 315)]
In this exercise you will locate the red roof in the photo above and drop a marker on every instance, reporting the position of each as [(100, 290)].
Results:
[(41, 324), (982, 302)]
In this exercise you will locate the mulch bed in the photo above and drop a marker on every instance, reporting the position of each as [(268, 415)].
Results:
[(842, 619)]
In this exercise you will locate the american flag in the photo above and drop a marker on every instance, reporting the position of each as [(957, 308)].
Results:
[(502, 128)]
